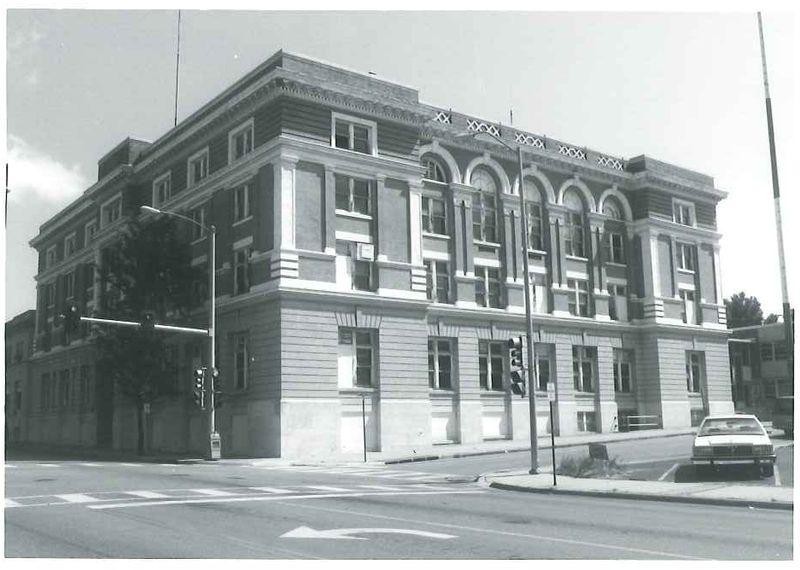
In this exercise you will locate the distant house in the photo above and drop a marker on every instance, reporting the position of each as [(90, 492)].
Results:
[(760, 369)]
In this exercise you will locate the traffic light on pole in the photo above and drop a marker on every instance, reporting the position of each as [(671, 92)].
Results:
[(517, 369), (216, 387), (148, 321), (199, 391), (72, 318)]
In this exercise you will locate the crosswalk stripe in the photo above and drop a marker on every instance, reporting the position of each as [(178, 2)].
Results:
[(410, 475), (272, 490), (147, 494), (90, 464), (11, 466), (131, 464), (46, 465), (326, 488), (77, 498), (383, 487), (11, 504), (213, 492)]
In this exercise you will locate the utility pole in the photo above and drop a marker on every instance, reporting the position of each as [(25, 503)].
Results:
[(776, 198)]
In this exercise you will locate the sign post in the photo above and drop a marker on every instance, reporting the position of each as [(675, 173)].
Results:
[(552, 439)]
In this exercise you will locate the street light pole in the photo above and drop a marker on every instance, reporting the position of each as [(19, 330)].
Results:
[(528, 310), (528, 322), (215, 444)]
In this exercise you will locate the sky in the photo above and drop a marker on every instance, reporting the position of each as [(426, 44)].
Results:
[(684, 88)]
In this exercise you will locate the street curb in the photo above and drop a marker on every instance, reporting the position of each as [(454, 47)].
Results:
[(648, 497), (457, 455)]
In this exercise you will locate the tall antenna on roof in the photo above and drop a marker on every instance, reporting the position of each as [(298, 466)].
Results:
[(511, 117), (177, 68)]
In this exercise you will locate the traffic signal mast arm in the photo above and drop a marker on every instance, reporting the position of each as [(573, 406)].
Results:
[(169, 328)]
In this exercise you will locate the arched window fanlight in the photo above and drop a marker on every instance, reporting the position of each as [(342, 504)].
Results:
[(483, 180), (572, 201), (531, 191), (433, 170), (611, 208)]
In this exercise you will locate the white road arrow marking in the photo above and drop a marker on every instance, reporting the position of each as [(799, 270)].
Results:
[(344, 533)]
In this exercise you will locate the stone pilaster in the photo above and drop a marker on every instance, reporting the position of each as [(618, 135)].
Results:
[(329, 209), (283, 263)]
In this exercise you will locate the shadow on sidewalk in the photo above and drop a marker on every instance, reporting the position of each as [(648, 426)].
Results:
[(48, 453)]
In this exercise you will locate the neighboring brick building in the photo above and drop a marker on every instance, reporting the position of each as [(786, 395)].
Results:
[(760, 369), (19, 349), (366, 250)]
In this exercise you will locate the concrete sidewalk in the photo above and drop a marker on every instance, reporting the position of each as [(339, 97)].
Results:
[(701, 493), (505, 446)]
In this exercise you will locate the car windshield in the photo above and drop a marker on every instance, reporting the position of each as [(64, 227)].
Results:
[(731, 426)]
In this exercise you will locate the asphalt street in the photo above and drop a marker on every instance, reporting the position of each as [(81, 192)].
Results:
[(96, 509)]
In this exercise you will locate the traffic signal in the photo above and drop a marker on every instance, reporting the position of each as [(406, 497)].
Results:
[(72, 318), (198, 392), (517, 368), (216, 387), (148, 321)]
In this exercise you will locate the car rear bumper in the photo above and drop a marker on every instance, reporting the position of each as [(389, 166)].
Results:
[(761, 459)]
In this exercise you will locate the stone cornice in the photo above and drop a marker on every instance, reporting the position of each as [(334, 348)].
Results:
[(676, 230)]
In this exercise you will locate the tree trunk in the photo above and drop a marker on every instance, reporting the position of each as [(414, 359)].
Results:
[(140, 425)]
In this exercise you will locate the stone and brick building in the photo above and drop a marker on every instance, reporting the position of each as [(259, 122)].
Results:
[(19, 349), (367, 249)]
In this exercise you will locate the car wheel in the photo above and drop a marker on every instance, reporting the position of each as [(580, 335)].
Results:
[(767, 470)]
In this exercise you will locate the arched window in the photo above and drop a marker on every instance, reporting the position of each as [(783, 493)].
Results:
[(484, 207), (535, 215), (612, 209), (574, 241), (433, 170)]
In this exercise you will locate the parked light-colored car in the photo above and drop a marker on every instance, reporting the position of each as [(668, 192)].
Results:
[(735, 439)]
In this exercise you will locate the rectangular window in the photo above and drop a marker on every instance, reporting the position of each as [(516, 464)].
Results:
[(198, 167), (69, 245), (780, 351), (578, 302), (695, 370), (162, 189), (686, 257), (240, 141), (484, 218), (616, 248), (433, 216), (241, 361), (50, 294), (199, 219), (241, 271), (683, 213), (111, 211), (354, 134), (362, 275), (241, 203), (354, 195), (491, 356), (438, 281), (44, 392), (91, 231), (440, 364), (356, 357), (618, 302), (535, 226), (543, 370), (69, 285), (487, 287), (765, 350), (587, 421), (50, 256), (573, 240), (584, 365), (623, 370), (688, 312)]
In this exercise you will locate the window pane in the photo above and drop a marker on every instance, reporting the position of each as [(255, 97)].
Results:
[(361, 139), (544, 374), (361, 196), (342, 193), (342, 136)]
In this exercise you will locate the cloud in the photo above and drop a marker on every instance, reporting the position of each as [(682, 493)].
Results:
[(33, 172), (20, 40)]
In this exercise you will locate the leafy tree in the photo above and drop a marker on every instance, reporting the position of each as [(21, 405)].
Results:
[(149, 273), (743, 311), (771, 318)]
